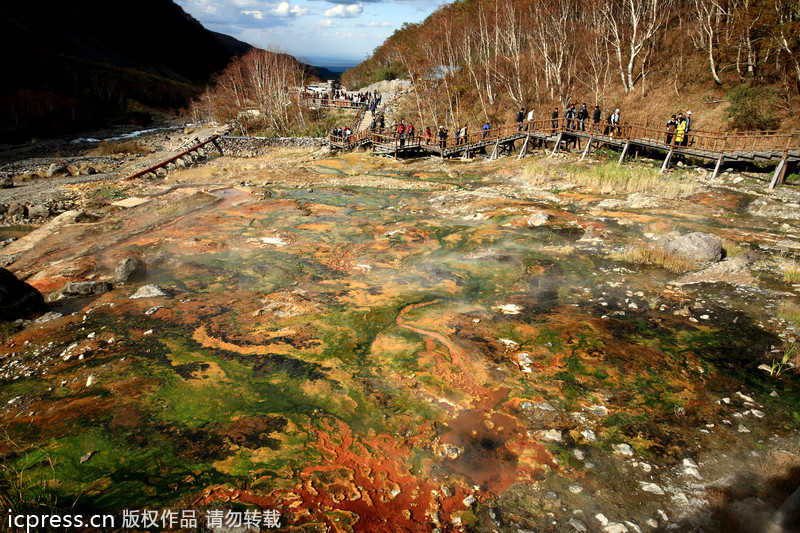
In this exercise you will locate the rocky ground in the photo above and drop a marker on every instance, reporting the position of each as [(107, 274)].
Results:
[(373, 345)]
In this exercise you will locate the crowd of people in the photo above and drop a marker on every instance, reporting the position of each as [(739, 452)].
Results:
[(575, 118)]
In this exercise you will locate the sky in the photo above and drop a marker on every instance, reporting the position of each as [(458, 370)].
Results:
[(319, 32)]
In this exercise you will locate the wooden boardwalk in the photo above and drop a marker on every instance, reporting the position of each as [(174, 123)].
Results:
[(754, 147)]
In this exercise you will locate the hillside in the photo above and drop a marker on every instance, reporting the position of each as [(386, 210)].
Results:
[(734, 63), (79, 64)]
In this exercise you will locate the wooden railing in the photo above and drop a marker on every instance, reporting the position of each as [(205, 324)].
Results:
[(716, 142)]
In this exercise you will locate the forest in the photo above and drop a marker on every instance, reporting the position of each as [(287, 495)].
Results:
[(736, 61)]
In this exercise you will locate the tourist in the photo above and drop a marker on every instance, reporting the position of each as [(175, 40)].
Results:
[(520, 118), (554, 119), (688, 127), (464, 134), (672, 125), (410, 132), (442, 137), (428, 135), (583, 114), (596, 116), (529, 125), (613, 122), (680, 130), (401, 128), (485, 129), (569, 116)]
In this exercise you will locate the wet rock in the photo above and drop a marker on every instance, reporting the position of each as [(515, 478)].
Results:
[(734, 271), (697, 246), (129, 269), (87, 288), (148, 291), (6, 182), (652, 488), (690, 469), (550, 435), (771, 209), (577, 525), (610, 203), (47, 317), (73, 170), (623, 449), (615, 527), (17, 298), (537, 219)]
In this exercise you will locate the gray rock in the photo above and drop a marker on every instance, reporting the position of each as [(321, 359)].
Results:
[(129, 269), (698, 246), (38, 211), (148, 291), (55, 169), (6, 182), (73, 170), (87, 288), (17, 298)]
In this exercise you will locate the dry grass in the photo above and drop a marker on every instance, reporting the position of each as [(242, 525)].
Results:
[(791, 271), (643, 255), (609, 178), (732, 249), (126, 147), (790, 312)]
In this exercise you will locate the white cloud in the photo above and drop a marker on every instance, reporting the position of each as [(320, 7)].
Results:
[(353, 10), (378, 24), (326, 22), (253, 13), (284, 9)]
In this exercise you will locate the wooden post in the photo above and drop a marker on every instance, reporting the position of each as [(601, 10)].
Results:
[(780, 172), (624, 151), (214, 140), (558, 142), (586, 150), (524, 149), (717, 167), (666, 160), (494, 151)]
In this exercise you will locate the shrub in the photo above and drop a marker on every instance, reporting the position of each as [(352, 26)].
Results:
[(644, 255), (753, 108)]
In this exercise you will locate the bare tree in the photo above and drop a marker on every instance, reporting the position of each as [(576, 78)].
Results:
[(709, 16), (633, 25)]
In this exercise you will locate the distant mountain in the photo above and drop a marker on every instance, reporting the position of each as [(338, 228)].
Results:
[(72, 65)]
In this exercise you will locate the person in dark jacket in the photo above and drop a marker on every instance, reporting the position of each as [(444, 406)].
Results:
[(685, 141), (554, 120), (583, 114), (520, 118), (596, 116), (485, 129), (672, 125)]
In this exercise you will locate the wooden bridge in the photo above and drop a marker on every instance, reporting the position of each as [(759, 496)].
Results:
[(718, 147), (188, 153)]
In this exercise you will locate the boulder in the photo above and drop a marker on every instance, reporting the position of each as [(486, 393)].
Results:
[(697, 246), (130, 268), (87, 288), (16, 209), (55, 169), (38, 211), (148, 291), (6, 182), (73, 170), (17, 298)]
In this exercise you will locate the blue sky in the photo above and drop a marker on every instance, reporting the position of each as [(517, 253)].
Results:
[(321, 32)]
